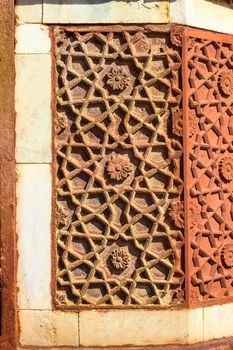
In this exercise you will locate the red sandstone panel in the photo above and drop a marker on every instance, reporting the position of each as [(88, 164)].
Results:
[(208, 130), (118, 166)]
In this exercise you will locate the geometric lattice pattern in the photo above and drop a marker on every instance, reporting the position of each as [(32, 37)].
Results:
[(210, 147), (119, 189)]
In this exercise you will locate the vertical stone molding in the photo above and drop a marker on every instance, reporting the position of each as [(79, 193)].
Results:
[(8, 328)]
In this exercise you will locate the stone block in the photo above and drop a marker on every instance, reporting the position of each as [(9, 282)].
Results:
[(76, 11), (33, 108), (28, 11), (218, 322), (46, 328), (34, 235), (140, 328), (32, 38)]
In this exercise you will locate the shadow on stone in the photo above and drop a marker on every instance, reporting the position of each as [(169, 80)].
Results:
[(78, 2)]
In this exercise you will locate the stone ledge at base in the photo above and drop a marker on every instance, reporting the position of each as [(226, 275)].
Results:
[(220, 344)]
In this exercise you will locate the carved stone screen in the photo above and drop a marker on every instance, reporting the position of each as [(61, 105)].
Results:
[(144, 172), (120, 216), (210, 165)]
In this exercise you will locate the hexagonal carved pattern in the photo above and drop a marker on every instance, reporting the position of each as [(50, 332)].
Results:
[(118, 141)]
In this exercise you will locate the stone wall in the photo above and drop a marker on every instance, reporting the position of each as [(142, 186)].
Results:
[(161, 94)]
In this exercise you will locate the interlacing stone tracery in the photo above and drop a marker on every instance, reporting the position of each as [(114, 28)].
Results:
[(210, 147), (118, 170)]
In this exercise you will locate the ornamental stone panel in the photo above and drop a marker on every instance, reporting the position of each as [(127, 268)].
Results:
[(119, 188), (143, 193), (209, 114)]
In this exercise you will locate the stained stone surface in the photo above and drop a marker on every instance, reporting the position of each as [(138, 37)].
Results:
[(120, 214)]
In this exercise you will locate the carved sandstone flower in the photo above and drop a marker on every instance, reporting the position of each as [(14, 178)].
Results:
[(119, 167), (225, 83), (118, 80), (63, 216), (179, 296), (227, 255), (177, 123), (191, 42), (62, 122), (177, 213), (176, 39), (61, 297), (120, 258), (226, 168), (195, 215), (193, 124), (195, 295)]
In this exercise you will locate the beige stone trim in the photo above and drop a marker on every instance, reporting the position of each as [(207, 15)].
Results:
[(33, 110), (125, 327), (46, 328), (28, 11), (77, 12)]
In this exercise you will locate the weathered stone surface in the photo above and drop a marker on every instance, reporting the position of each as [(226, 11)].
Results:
[(42, 328), (88, 11), (29, 11), (141, 327), (7, 179)]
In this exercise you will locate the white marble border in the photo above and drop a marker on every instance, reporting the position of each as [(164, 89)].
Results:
[(125, 327), (34, 240), (203, 14)]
